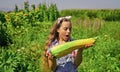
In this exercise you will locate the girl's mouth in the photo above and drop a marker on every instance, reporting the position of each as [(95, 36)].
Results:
[(67, 36)]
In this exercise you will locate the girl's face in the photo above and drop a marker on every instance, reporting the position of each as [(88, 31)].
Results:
[(64, 31)]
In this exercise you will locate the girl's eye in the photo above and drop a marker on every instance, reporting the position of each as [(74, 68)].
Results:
[(65, 29)]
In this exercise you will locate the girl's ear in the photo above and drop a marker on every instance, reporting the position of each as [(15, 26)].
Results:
[(58, 30)]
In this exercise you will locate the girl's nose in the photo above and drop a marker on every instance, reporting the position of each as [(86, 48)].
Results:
[(68, 30)]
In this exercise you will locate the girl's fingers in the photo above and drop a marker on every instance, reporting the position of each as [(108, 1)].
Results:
[(88, 45), (50, 56)]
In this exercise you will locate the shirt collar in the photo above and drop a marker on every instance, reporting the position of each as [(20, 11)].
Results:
[(55, 42)]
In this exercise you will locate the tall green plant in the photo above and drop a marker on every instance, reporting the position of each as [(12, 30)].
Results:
[(33, 6), (53, 12), (5, 39), (26, 6), (2, 17), (16, 8)]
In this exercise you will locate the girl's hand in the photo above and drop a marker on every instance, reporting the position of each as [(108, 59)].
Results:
[(52, 62), (50, 56), (88, 45), (85, 47)]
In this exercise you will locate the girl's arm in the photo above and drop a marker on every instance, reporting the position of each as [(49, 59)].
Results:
[(78, 58), (52, 62)]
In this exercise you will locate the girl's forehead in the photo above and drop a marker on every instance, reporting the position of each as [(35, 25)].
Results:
[(66, 23)]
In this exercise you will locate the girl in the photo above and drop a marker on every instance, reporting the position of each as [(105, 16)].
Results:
[(59, 34)]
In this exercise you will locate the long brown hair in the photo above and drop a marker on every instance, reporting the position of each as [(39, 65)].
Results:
[(51, 37)]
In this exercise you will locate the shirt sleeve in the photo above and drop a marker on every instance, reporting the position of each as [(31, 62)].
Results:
[(74, 53)]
